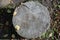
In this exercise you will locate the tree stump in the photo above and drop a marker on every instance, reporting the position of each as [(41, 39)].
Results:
[(31, 19)]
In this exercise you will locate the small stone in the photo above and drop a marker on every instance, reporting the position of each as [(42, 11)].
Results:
[(5, 35), (12, 39), (55, 21), (59, 34), (13, 36), (17, 27), (56, 14), (50, 35), (59, 22)]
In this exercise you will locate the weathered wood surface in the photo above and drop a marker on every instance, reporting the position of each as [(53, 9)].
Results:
[(31, 19)]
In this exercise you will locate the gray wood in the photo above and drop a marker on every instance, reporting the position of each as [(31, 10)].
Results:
[(33, 19)]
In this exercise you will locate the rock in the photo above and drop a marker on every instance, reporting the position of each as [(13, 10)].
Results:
[(32, 18), (4, 3)]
